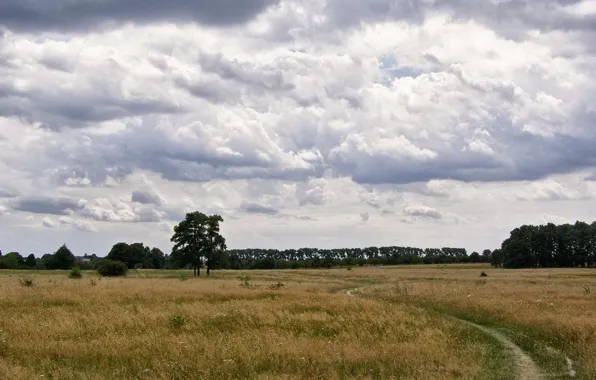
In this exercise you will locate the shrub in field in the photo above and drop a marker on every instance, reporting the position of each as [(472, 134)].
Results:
[(110, 268), (483, 274), (277, 286), (176, 321), (26, 281), (75, 273)]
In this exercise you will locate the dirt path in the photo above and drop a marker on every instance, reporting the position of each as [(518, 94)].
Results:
[(525, 367)]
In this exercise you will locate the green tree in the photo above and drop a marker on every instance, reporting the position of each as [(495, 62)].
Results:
[(61, 259), (157, 259), (197, 241), (31, 261), (12, 260), (132, 255), (497, 258)]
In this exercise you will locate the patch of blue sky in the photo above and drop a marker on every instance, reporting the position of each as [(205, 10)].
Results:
[(394, 70)]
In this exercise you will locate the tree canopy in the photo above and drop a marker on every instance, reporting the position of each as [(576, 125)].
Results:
[(547, 246), (61, 259), (197, 242), (137, 255)]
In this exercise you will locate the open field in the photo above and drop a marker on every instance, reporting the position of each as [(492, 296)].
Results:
[(399, 322)]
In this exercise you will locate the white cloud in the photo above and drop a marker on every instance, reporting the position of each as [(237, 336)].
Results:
[(422, 212), (81, 225), (48, 222)]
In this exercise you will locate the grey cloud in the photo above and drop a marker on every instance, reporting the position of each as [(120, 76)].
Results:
[(306, 218), (526, 157), (511, 18), (422, 212), (47, 205), (79, 106), (47, 222), (148, 214), (85, 15), (8, 193), (77, 110), (257, 208), (353, 12), (224, 81), (147, 197), (265, 78), (151, 149), (211, 90)]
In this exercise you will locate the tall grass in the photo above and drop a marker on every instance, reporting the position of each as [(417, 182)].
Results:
[(545, 310), (164, 328)]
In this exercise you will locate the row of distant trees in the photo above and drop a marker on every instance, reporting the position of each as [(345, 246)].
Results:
[(549, 246), (199, 244), (61, 259), (135, 255)]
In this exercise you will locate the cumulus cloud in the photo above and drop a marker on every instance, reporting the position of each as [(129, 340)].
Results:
[(313, 192), (81, 225), (49, 223), (337, 107), (422, 212), (257, 208)]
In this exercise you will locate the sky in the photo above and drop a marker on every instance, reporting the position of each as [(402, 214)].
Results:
[(304, 123)]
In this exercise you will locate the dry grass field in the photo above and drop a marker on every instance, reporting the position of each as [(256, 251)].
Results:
[(399, 323)]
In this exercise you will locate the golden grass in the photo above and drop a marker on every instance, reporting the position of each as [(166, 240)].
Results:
[(230, 328), (554, 305)]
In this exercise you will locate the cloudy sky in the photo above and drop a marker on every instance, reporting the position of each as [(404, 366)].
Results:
[(321, 123)]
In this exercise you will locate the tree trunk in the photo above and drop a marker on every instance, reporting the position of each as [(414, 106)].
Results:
[(208, 269), (194, 270)]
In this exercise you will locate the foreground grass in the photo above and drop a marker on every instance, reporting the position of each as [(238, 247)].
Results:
[(550, 313), (231, 326)]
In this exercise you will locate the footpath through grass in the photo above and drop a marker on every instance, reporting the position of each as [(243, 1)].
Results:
[(548, 313)]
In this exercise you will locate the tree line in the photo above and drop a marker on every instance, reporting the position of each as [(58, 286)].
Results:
[(549, 246), (199, 244)]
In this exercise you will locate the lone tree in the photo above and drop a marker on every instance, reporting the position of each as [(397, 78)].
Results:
[(197, 240)]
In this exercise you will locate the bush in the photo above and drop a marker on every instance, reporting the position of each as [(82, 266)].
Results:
[(277, 286), (177, 321), (111, 268), (75, 273), (26, 282), (483, 274)]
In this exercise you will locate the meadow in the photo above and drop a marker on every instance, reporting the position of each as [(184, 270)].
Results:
[(410, 322)]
